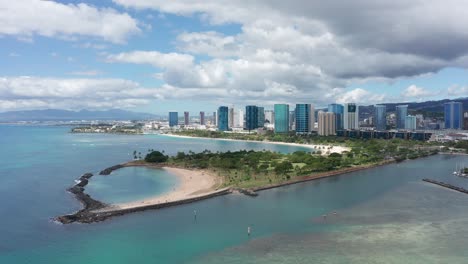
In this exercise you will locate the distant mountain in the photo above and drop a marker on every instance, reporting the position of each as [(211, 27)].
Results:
[(432, 108), (65, 115)]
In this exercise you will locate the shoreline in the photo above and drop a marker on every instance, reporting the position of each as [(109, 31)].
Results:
[(192, 184), (335, 148), (96, 211)]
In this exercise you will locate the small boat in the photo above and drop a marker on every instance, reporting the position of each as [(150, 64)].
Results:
[(456, 169)]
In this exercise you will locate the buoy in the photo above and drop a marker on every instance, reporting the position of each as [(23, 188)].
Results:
[(248, 230)]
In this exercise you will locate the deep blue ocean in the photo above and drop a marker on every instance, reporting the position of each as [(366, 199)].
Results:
[(384, 215)]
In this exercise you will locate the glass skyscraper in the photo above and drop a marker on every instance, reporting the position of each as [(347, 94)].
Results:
[(261, 116), (304, 118), (410, 122), (223, 118), (173, 119), (202, 118), (401, 113), (380, 117), (281, 118), (453, 115), (251, 117), (339, 111)]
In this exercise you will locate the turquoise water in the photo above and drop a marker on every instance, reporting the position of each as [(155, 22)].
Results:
[(385, 215), (130, 184)]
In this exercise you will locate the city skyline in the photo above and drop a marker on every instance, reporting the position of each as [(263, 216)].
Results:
[(148, 56)]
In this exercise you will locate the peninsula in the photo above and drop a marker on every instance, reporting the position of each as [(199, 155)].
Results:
[(209, 174)]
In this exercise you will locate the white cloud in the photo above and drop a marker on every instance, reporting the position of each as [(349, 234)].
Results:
[(27, 18), (155, 58), (416, 92), (38, 93), (357, 95), (315, 46), (457, 90), (86, 73)]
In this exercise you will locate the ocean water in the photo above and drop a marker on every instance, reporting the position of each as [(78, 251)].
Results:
[(130, 184), (384, 215)]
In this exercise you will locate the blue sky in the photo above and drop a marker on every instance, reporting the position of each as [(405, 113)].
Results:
[(155, 56)]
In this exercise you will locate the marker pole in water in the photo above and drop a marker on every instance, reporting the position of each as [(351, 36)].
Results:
[(195, 214)]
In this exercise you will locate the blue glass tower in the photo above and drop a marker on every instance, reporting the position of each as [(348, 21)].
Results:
[(401, 113), (261, 116), (304, 117), (453, 115), (173, 119), (223, 118), (380, 117), (251, 117), (281, 118), (339, 111)]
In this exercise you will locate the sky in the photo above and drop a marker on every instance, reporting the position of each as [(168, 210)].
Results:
[(186, 55)]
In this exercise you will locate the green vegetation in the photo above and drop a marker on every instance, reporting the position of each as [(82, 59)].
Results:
[(249, 169), (156, 157), (461, 145)]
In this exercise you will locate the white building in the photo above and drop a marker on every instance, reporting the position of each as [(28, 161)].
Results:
[(238, 119), (351, 116), (326, 123), (270, 116), (231, 117)]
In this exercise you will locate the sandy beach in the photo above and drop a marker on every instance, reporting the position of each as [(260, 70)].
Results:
[(317, 147), (192, 183)]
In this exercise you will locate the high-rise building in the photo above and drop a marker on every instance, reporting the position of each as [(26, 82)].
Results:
[(292, 120), (326, 123), (215, 118), (339, 112), (239, 118), (202, 118), (173, 119), (380, 117), (410, 122), (231, 117), (186, 118), (351, 116), (222, 121), (465, 121), (453, 115), (261, 116), (281, 118), (401, 113), (305, 118), (251, 117), (270, 116)]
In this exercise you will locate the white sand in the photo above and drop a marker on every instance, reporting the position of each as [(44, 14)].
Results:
[(192, 183), (323, 148)]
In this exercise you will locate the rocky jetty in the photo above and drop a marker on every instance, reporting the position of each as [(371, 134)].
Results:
[(446, 185), (89, 203), (247, 192), (109, 170)]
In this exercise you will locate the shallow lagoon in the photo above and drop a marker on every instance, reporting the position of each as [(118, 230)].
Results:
[(130, 184)]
